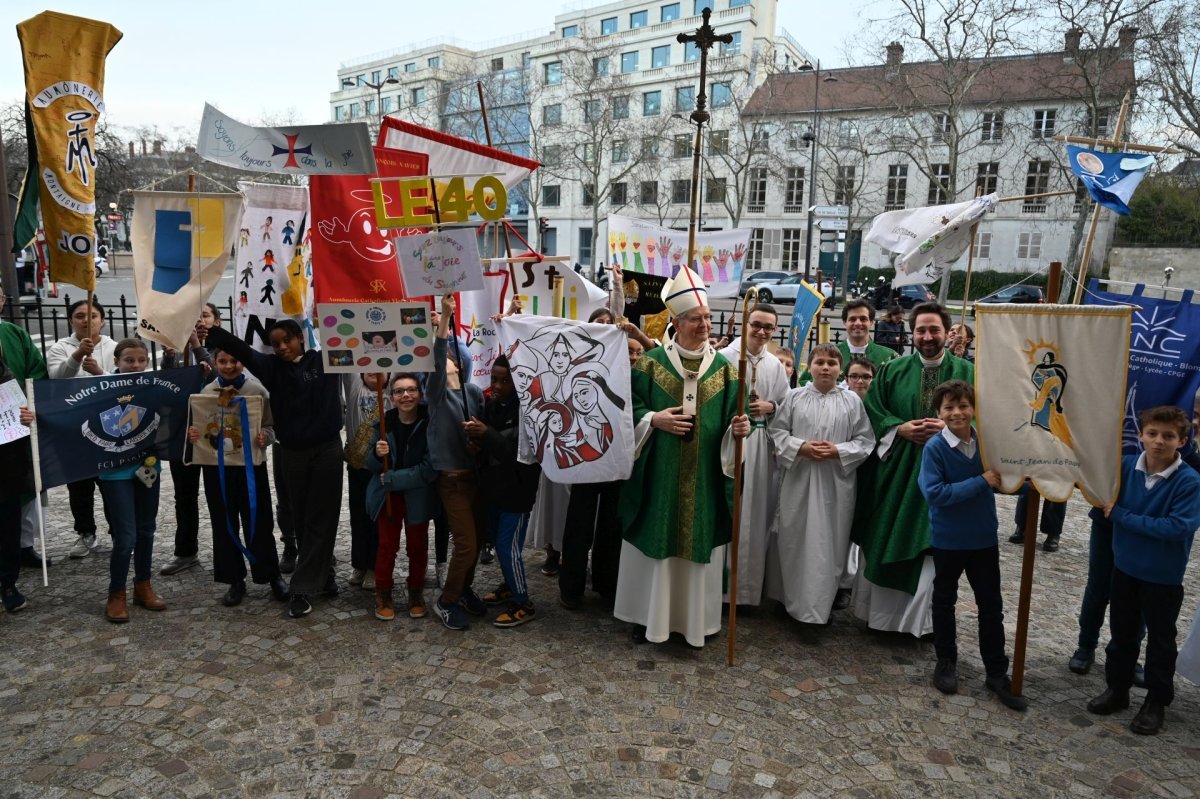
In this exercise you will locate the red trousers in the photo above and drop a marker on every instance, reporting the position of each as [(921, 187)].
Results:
[(416, 545)]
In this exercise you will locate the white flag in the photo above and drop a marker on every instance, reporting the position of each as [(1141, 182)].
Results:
[(640, 246), (269, 283), (343, 149), (572, 379), (927, 240), (1050, 396), (181, 243)]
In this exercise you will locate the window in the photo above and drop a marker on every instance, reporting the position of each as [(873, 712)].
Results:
[(685, 98), (848, 132), (987, 177), (375, 76), (355, 111), (939, 184), (552, 114), (690, 52), (941, 128), (600, 66), (754, 253), (764, 246), (638, 19), (669, 13), (629, 61), (649, 147), (585, 245), (983, 244), (718, 142), (795, 136), (700, 5), (714, 190), (1029, 246), (993, 126), (756, 192), (369, 106), (359, 80), (1100, 124), (620, 151), (618, 194), (734, 47), (552, 155), (570, 31), (1043, 124), (393, 72), (411, 66), (681, 192), (526, 59), (681, 146), (843, 185), (660, 56), (1081, 196), (722, 95), (760, 137), (434, 62), (608, 26), (589, 153), (497, 64), (551, 196), (651, 103), (552, 72), (589, 195), (648, 192), (897, 187), (791, 249), (620, 107), (593, 110), (1037, 181), (793, 190), (339, 113)]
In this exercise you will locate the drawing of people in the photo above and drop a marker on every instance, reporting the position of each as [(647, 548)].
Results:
[(723, 265), (592, 430), (268, 261), (651, 248), (247, 273), (1050, 379), (265, 227), (268, 291), (554, 430), (242, 302), (243, 237), (287, 230), (706, 264)]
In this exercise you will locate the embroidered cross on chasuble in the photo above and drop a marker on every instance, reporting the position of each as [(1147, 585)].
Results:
[(930, 380)]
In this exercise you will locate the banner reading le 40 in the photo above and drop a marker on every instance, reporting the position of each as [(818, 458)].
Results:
[(487, 198)]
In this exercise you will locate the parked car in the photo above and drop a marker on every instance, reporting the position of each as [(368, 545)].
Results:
[(101, 266), (906, 297), (1018, 294), (759, 278)]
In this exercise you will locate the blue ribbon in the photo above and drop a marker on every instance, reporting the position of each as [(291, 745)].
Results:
[(248, 458)]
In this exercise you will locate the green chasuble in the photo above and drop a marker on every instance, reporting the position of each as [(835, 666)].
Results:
[(678, 502), (891, 520), (876, 354)]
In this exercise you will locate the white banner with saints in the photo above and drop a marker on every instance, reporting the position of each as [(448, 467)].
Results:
[(572, 379), (1050, 396)]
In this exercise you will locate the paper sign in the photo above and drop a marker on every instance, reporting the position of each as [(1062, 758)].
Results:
[(441, 262), (224, 425), (11, 400), (376, 337)]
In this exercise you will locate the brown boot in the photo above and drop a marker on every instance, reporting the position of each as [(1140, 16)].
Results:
[(116, 610), (143, 594), (384, 609)]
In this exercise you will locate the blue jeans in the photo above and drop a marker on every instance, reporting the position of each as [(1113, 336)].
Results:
[(508, 531), (1096, 593), (131, 509)]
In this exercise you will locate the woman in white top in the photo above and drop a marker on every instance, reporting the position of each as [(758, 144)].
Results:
[(87, 351)]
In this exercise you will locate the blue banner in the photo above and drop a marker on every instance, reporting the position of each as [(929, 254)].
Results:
[(1111, 178), (89, 425), (1164, 354), (804, 314)]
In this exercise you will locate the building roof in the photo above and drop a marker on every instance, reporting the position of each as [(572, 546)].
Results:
[(1004, 81)]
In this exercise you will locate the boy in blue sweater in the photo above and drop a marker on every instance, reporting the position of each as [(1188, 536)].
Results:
[(962, 529), (1154, 521)]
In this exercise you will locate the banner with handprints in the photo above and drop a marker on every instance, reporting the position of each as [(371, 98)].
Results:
[(719, 258), (376, 337), (440, 262)]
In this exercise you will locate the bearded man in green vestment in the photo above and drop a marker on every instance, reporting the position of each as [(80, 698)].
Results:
[(891, 522), (676, 506)]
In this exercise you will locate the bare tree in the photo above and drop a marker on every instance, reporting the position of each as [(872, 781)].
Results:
[(1172, 41)]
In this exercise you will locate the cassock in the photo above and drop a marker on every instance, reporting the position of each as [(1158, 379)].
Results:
[(766, 379), (549, 514), (894, 587), (675, 508), (811, 533)]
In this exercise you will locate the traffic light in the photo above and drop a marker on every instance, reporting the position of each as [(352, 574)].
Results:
[(543, 224)]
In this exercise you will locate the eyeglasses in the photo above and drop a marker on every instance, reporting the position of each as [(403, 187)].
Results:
[(761, 327), (861, 378), (403, 391)]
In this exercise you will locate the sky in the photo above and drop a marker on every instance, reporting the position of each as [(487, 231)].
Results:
[(259, 61)]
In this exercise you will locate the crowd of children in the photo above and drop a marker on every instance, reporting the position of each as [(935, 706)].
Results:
[(422, 448)]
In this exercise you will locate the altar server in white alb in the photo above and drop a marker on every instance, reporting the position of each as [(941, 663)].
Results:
[(822, 434), (767, 383)]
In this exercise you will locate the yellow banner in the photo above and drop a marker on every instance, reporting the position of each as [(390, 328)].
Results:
[(64, 84)]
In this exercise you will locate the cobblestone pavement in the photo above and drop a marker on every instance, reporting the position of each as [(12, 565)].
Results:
[(207, 701)]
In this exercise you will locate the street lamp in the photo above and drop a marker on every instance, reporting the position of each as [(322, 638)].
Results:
[(378, 87), (813, 136)]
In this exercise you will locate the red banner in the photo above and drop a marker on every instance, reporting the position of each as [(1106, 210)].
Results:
[(353, 259)]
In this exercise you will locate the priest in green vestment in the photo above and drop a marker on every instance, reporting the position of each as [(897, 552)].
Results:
[(676, 506), (891, 520), (859, 317)]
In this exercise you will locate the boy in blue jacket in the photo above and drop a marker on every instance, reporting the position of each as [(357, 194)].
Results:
[(1154, 521), (962, 529)]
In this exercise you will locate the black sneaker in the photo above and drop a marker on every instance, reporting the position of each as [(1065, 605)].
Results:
[(499, 596), (32, 559), (287, 563), (472, 604), (1001, 686), (841, 600), (550, 566), (1017, 538), (1050, 544), (1081, 662), (945, 676), (487, 554), (299, 606), (13, 599), (279, 589), (331, 586), (452, 616), (515, 615), (235, 594), (1139, 675)]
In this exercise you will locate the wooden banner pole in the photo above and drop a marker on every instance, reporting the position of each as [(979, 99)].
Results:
[(387, 497), (1084, 262), (962, 319), (750, 301)]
